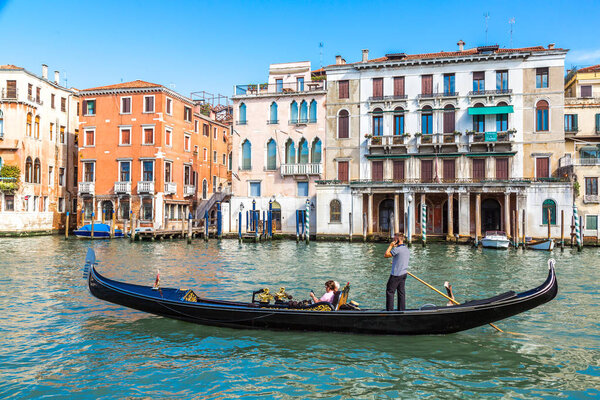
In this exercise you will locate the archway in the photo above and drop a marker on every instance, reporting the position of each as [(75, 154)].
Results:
[(455, 217), (490, 215), (276, 215), (107, 209), (386, 209)]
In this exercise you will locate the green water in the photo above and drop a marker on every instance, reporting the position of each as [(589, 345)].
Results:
[(60, 342)]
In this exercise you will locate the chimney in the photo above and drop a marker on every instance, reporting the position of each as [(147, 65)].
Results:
[(551, 46), (45, 71), (365, 55), (461, 45), (56, 77), (338, 60)]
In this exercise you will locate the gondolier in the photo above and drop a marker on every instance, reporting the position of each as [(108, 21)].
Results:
[(397, 280)]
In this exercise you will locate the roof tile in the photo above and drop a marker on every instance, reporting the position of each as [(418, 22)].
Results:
[(126, 85)]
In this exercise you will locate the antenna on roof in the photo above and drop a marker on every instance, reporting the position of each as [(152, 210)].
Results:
[(320, 54), (486, 16), (511, 22)]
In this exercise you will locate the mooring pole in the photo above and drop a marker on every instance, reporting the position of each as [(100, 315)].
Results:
[(297, 226), (67, 227), (112, 225), (270, 217), (189, 235), (132, 219), (206, 226), (256, 217), (307, 222), (240, 227), (548, 214), (514, 229), (581, 237), (92, 234), (350, 227), (219, 221), (424, 223), (524, 227), (364, 227), (562, 230)]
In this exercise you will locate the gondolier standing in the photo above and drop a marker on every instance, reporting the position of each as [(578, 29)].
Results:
[(400, 256)]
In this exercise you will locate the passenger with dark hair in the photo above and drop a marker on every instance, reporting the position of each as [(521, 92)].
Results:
[(329, 292)]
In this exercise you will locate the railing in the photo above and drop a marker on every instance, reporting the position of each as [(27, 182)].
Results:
[(284, 88), (302, 121), (437, 94), (245, 122), (86, 188), (489, 92), (330, 182), (170, 187), (387, 98), (35, 99), (571, 130), (591, 198), (301, 169), (206, 205), (145, 187), (396, 140), (11, 94), (272, 121), (123, 187), (491, 137), (442, 180), (189, 190), (567, 161)]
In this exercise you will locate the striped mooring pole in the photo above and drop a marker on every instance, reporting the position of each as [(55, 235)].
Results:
[(424, 223), (577, 228), (307, 221)]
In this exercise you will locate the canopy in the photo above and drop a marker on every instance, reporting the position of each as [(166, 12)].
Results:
[(98, 227), (491, 110)]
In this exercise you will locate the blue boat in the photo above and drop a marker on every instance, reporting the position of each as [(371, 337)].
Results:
[(101, 231)]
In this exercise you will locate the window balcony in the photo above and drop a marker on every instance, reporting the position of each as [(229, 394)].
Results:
[(381, 99), (86, 188), (170, 188), (122, 187), (301, 169), (429, 96), (395, 140), (10, 94), (492, 137), (244, 122), (145, 187), (272, 121), (268, 89), (591, 199), (189, 190)]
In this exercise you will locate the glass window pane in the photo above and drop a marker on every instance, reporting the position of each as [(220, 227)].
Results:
[(302, 188), (591, 222)]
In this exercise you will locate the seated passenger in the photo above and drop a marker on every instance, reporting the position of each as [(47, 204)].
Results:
[(329, 292)]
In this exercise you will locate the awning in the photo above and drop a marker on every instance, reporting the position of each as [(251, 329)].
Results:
[(491, 110)]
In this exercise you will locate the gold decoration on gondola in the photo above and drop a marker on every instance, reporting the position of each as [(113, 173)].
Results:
[(282, 295), (321, 307), (265, 296), (190, 296)]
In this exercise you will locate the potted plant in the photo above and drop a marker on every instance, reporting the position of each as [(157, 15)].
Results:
[(457, 133), (417, 134), (368, 136), (264, 86)]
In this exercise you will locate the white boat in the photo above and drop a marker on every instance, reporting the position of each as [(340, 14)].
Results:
[(495, 240), (544, 244)]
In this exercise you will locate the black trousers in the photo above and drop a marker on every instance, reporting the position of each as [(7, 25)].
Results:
[(395, 283)]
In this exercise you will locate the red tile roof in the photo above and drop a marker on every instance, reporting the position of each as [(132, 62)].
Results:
[(9, 66), (593, 68), (127, 85)]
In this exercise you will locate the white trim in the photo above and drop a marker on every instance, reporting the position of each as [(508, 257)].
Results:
[(250, 182), (85, 131), (205, 154), (165, 171), (169, 135), (121, 129), (119, 170), (337, 124), (121, 104), (167, 111), (189, 143), (142, 160), (153, 104), (144, 127), (82, 111)]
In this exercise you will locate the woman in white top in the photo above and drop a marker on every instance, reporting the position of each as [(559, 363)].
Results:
[(329, 292)]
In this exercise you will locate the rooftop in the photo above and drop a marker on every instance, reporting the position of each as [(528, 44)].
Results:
[(593, 68), (10, 66), (127, 85)]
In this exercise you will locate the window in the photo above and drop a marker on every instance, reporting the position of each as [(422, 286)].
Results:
[(591, 222), (63, 105), (343, 90), (148, 171), (398, 172), (542, 167), (479, 82), (187, 175), (273, 114), (302, 188), (279, 85), (246, 155), (37, 171), (148, 137), (36, 127), (427, 120), (187, 141), (168, 137), (312, 113), (242, 109), (335, 211), (449, 171), (169, 106), (146, 211), (168, 170), (196, 126), (290, 152), (597, 123), (427, 84), (591, 186), (377, 122), (61, 176), (542, 118), (28, 124), (398, 121), (300, 84), (478, 169), (214, 185), (9, 202), (205, 130), (62, 135), (449, 87), (2, 125), (377, 88), (224, 159), (502, 81), (124, 208), (586, 91), (51, 131), (88, 172), (571, 123), (343, 125), (549, 206), (52, 98), (50, 175), (11, 89), (204, 189), (38, 95), (316, 151), (124, 171), (89, 107), (303, 152), (303, 112), (541, 77), (29, 170), (449, 119), (89, 137), (29, 91), (479, 121), (426, 170), (377, 171), (125, 105), (125, 136), (215, 135), (230, 161), (399, 86), (501, 120), (502, 168), (294, 112), (148, 104), (187, 114), (271, 155), (214, 156), (254, 189), (205, 154), (343, 171)]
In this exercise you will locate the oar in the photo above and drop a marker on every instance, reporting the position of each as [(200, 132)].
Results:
[(456, 302)]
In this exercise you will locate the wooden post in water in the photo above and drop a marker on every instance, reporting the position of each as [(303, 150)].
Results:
[(182, 226), (350, 227), (103, 216), (572, 229), (112, 225), (67, 227), (549, 221), (240, 227), (206, 226), (92, 233), (189, 238), (513, 233), (124, 228), (517, 228), (580, 243), (364, 227), (562, 230), (524, 228), (132, 219)]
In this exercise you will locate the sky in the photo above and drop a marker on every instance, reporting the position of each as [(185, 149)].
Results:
[(211, 46)]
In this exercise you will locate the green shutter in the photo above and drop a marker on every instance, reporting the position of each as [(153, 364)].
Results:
[(597, 123), (575, 126), (491, 110)]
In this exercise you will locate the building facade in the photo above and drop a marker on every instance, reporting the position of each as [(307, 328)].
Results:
[(145, 152), (473, 134), (278, 137), (38, 133)]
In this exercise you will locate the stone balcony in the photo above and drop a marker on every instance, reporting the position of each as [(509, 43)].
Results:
[(396, 144), (170, 188), (301, 169), (122, 188), (86, 188), (189, 190), (145, 187), (491, 141)]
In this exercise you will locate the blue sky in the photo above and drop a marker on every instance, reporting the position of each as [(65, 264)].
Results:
[(195, 45)]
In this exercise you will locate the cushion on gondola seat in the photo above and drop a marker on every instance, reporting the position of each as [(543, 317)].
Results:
[(336, 298)]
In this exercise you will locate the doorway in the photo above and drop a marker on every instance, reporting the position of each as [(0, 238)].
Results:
[(490, 215)]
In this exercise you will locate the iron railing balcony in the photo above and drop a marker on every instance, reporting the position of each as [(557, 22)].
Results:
[(189, 190), (279, 88), (123, 187), (10, 94), (396, 97), (492, 137), (244, 122), (86, 188), (426, 96), (272, 121), (145, 187), (170, 188), (495, 92), (388, 140), (301, 169)]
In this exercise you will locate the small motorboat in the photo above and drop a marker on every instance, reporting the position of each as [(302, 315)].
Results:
[(285, 314), (544, 244), (495, 240), (101, 231)]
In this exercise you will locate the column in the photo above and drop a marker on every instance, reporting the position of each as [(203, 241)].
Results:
[(477, 217), (420, 211), (450, 233), (397, 215), (370, 215), (464, 217), (507, 214)]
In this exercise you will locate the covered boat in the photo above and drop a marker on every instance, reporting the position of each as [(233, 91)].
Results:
[(101, 231), (185, 305), (495, 240)]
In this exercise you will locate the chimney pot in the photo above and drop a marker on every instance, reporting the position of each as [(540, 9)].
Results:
[(365, 55), (56, 77), (551, 46), (45, 71), (338, 60), (461, 45), (343, 61)]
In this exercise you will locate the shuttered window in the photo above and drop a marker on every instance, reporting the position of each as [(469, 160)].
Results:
[(148, 104), (427, 84), (449, 171), (570, 122), (449, 119), (343, 90), (343, 171), (399, 86), (377, 171), (11, 89), (597, 123), (343, 125), (378, 87), (586, 91), (542, 169), (478, 169), (148, 135), (501, 168), (398, 170), (426, 170)]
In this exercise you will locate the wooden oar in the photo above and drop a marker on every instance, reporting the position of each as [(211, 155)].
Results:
[(455, 302)]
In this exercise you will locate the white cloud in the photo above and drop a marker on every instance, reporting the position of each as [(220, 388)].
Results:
[(584, 56)]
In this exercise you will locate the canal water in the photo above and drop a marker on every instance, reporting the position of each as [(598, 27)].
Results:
[(59, 341)]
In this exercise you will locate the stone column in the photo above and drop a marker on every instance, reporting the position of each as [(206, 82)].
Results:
[(397, 215), (464, 217), (477, 217), (370, 215), (507, 214), (450, 233)]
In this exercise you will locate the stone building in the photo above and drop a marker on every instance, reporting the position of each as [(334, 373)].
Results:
[(474, 134), (38, 134)]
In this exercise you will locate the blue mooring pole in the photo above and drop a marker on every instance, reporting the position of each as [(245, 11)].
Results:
[(206, 225), (240, 227), (247, 214), (270, 218), (297, 227), (264, 224), (219, 221)]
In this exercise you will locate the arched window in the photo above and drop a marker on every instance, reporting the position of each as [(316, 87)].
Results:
[(427, 120), (479, 120), (316, 151), (335, 211), (303, 112), (294, 112), (449, 121), (28, 169), (303, 152), (204, 189), (549, 205), (28, 126), (271, 155), (398, 121), (273, 119), (377, 122), (242, 120), (343, 125), (290, 152), (37, 171), (313, 112), (542, 112), (36, 127), (501, 119), (246, 155)]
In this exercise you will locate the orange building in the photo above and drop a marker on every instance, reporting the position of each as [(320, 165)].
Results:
[(142, 153)]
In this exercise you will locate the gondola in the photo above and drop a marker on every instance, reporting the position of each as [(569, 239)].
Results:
[(183, 304)]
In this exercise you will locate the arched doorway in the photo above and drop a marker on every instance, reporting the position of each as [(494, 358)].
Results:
[(386, 209), (455, 217), (490, 215), (107, 209), (276, 215)]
